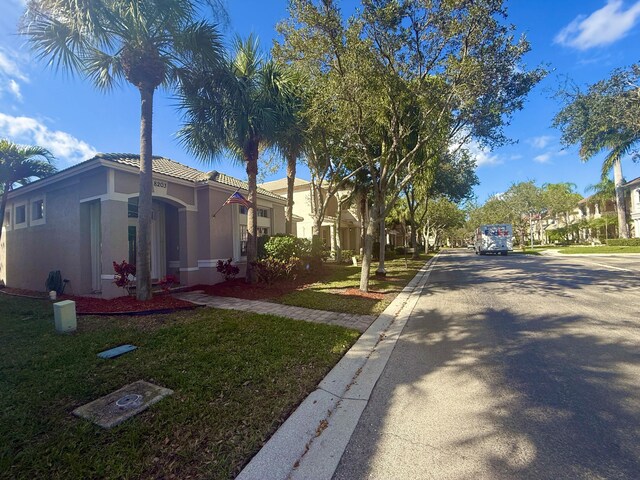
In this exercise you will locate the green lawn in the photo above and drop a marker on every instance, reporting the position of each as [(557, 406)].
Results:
[(336, 290), (599, 249), (236, 377)]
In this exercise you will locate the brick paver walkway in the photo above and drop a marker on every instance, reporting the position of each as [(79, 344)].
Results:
[(349, 320)]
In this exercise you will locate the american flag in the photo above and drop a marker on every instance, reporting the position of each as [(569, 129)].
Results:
[(238, 198)]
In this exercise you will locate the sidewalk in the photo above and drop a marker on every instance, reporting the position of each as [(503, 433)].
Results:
[(349, 320), (312, 440)]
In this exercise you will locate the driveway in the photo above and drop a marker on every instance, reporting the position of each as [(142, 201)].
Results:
[(510, 367)]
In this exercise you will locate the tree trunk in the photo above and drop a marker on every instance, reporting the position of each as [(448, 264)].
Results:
[(363, 221), (143, 254), (621, 207), (382, 238), (252, 213), (291, 177), (336, 232), (366, 253)]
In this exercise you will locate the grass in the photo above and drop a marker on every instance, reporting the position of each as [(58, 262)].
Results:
[(236, 377), (599, 249), (337, 289)]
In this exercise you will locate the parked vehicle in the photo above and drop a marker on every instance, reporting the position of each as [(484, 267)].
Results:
[(495, 238)]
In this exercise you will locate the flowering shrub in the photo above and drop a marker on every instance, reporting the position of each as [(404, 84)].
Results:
[(225, 268), (271, 269), (125, 275), (167, 282)]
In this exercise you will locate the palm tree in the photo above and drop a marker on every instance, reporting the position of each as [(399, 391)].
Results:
[(235, 112), (291, 135), (18, 165), (147, 42), (619, 145)]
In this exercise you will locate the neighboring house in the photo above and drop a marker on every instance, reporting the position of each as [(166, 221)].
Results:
[(303, 208), (84, 218), (634, 206)]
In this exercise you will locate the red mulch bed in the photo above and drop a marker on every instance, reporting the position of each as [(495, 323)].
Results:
[(239, 289), (160, 303)]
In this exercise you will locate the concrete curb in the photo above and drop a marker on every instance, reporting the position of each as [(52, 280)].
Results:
[(310, 443)]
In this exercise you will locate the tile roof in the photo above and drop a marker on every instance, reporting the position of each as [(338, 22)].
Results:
[(171, 168), (161, 165), (632, 183), (281, 184)]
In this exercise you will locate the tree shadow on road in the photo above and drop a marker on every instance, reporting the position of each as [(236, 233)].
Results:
[(495, 394)]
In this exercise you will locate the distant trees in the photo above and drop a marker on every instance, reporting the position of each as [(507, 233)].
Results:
[(19, 164), (605, 118)]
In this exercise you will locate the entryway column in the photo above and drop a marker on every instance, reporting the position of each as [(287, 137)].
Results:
[(115, 243), (189, 271)]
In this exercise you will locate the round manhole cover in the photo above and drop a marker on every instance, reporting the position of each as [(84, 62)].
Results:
[(131, 400)]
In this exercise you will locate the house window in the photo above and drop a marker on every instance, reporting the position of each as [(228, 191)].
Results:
[(132, 208), (37, 210), (260, 231), (243, 240), (21, 214), (132, 244), (261, 212)]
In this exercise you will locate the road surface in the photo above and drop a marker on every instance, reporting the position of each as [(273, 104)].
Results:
[(518, 367)]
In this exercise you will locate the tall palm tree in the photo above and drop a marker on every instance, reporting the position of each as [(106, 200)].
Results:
[(148, 43), (237, 113), (619, 144), (291, 135), (18, 165)]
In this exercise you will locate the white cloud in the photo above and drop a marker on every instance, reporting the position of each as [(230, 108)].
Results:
[(602, 27), (482, 155), (29, 131), (544, 158), (14, 87), (9, 66), (540, 142), (11, 74), (515, 156)]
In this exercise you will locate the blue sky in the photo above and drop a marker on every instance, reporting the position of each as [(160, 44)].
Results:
[(583, 40)]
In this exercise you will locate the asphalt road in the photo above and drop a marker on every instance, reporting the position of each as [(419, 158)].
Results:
[(510, 367)]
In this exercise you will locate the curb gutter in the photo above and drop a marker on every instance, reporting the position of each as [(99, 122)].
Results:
[(310, 443)]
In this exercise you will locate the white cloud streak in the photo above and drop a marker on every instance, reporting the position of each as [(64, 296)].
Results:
[(544, 158), (64, 146), (540, 142), (603, 27), (11, 74), (483, 156)]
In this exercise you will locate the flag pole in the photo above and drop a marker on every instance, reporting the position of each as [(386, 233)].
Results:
[(225, 202)]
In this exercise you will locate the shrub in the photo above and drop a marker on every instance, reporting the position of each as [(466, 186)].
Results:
[(167, 282), (227, 270), (262, 241), (283, 247), (319, 252), (623, 242), (400, 251), (125, 275), (270, 269), (346, 256)]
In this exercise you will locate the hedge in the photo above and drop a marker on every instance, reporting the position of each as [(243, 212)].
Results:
[(623, 242)]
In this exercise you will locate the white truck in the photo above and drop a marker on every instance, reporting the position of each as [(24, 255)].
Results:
[(495, 238)]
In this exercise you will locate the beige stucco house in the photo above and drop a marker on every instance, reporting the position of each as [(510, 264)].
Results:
[(634, 205), (303, 210), (84, 218)]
